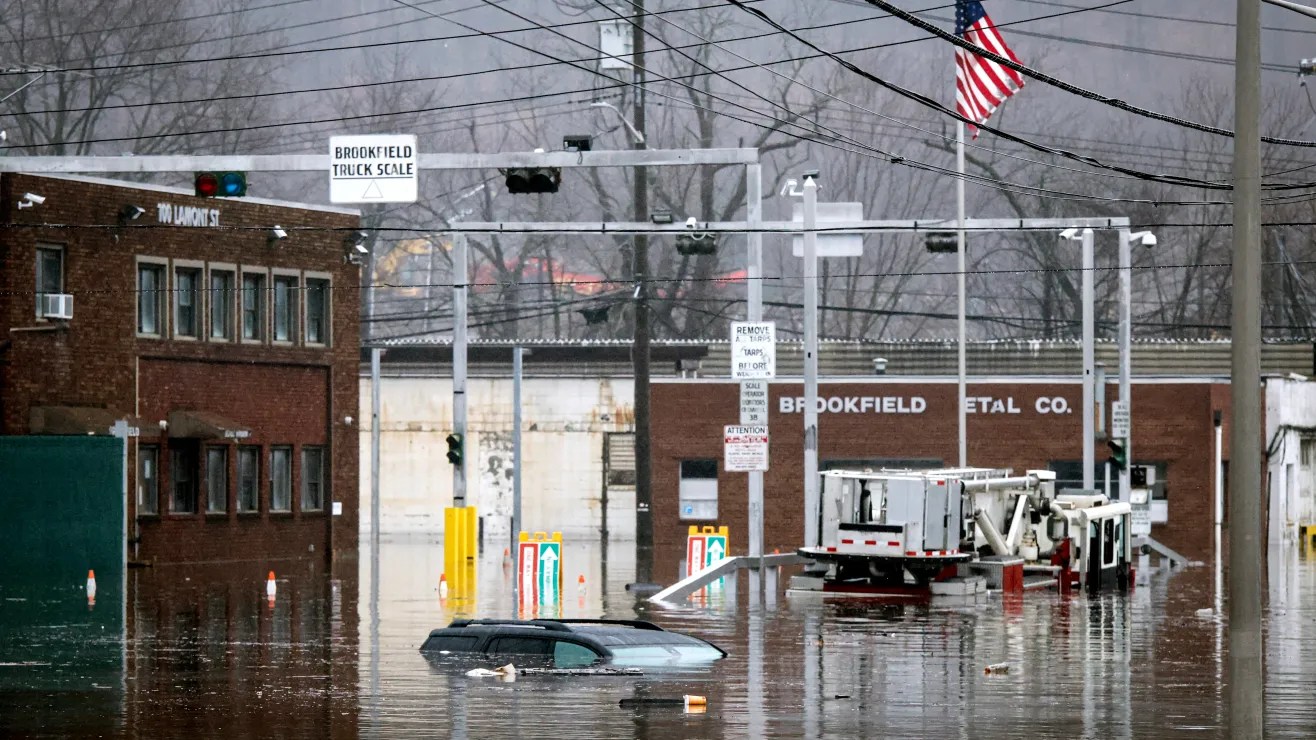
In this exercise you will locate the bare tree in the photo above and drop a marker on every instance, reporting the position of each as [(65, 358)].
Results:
[(96, 82)]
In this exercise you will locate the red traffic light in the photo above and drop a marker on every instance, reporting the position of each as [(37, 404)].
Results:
[(207, 185)]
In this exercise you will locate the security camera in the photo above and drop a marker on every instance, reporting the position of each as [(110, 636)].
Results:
[(278, 233), (1069, 233), (1147, 238), (691, 223)]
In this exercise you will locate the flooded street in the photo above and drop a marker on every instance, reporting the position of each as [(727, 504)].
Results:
[(200, 652)]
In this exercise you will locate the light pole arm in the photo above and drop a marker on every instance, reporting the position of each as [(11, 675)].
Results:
[(1296, 8)]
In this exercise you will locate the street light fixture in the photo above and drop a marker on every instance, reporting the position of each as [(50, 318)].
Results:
[(636, 136)]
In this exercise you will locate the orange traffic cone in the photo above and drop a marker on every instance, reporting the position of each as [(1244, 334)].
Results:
[(91, 588), (443, 585), (270, 589)]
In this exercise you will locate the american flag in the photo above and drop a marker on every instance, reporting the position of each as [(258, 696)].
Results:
[(981, 84)]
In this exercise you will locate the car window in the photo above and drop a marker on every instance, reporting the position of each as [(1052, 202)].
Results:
[(450, 643), (518, 645), (663, 654), (571, 655)]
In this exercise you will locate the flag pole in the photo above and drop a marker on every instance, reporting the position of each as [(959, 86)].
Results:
[(959, 276)]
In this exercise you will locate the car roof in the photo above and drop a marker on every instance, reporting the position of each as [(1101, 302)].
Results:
[(555, 625)]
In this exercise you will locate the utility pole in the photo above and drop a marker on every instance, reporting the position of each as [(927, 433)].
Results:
[(1246, 681), (812, 502), (1089, 363), (459, 278), (640, 349)]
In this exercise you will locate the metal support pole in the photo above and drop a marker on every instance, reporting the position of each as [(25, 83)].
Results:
[(375, 353), (962, 412), (754, 286), (811, 500), (640, 351), (1246, 576), (1089, 362), (1218, 472), (1126, 354), (517, 358), (459, 278)]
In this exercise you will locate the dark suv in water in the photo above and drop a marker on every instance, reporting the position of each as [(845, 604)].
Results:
[(570, 643)]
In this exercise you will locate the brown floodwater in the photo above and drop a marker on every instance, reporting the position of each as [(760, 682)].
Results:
[(200, 652)]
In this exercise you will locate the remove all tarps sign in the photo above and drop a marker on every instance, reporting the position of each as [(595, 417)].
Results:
[(745, 448), (753, 350)]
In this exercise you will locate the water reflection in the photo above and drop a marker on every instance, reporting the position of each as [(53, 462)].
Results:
[(200, 652)]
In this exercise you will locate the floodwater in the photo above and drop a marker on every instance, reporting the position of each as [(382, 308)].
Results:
[(200, 652)]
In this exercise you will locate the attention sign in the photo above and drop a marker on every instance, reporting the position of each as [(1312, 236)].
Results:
[(378, 168), (745, 448)]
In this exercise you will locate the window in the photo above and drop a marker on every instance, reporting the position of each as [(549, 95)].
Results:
[(312, 478), (281, 479), (571, 655), (216, 480), (150, 299), (221, 304), (50, 272), (510, 645), (698, 492), (317, 311), (450, 644), (182, 476), (148, 479), (285, 308), (187, 301), (253, 307), (248, 478)]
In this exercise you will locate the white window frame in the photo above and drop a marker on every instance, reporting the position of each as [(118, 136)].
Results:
[(256, 450), (327, 330), (292, 478), (163, 303), (36, 266), (305, 480), (693, 491), (240, 328), (235, 294), (294, 310), (175, 295), (210, 494)]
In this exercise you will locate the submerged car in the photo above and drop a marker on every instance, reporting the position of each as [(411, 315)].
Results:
[(569, 643)]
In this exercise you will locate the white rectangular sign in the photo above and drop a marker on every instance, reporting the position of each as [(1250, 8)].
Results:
[(754, 403), (831, 243), (745, 449), (376, 168), (1119, 420), (753, 350)]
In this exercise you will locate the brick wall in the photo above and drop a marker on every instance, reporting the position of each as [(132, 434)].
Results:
[(1171, 424), (285, 394)]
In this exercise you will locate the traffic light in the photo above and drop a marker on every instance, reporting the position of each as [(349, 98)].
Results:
[(1138, 476), (594, 316), (942, 242), (454, 441), (217, 184), (696, 244), (533, 180), (1119, 454)]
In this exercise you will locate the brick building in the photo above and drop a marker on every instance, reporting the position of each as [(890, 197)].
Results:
[(232, 350), (1020, 423)]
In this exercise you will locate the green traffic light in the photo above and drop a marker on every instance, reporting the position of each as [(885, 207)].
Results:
[(1119, 455)]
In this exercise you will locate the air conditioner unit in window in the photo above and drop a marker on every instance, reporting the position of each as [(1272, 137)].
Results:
[(57, 306)]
